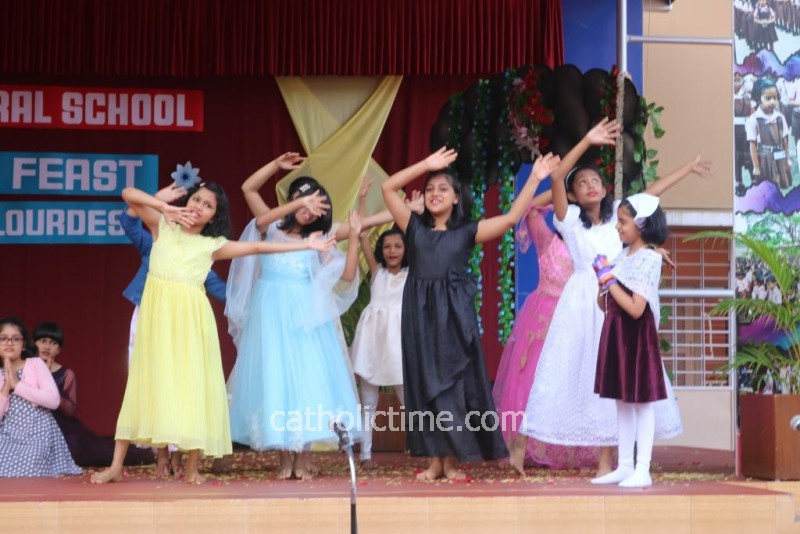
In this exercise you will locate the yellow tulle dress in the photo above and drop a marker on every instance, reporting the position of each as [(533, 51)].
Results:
[(176, 388)]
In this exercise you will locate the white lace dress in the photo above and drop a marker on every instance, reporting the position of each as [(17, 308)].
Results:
[(562, 406)]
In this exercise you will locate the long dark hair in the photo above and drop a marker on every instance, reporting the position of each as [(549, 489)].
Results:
[(28, 348), (379, 246), (303, 187), (220, 223), (606, 205), (461, 210)]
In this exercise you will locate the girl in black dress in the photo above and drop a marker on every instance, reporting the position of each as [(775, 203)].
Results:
[(450, 413)]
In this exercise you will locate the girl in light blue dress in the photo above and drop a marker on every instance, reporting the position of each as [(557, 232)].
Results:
[(291, 377)]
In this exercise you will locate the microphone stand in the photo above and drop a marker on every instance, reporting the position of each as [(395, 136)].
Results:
[(346, 445)]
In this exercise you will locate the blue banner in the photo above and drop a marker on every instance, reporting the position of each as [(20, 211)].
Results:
[(527, 264), (55, 173), (39, 223)]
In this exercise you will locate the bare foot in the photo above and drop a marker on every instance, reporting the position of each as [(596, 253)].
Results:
[(107, 475), (194, 477), (433, 472), (604, 465), (285, 469), (162, 462), (301, 468), (516, 456), (451, 471), (176, 464), (366, 465)]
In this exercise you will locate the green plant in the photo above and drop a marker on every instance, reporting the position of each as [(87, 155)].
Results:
[(649, 114), (766, 361)]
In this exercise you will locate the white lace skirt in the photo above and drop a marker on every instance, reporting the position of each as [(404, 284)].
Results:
[(562, 406)]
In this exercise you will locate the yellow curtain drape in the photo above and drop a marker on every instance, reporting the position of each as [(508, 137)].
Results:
[(339, 122)]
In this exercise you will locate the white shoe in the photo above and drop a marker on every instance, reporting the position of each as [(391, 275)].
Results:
[(616, 476), (639, 479)]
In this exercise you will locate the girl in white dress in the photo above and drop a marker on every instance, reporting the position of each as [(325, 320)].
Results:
[(376, 351), (562, 406)]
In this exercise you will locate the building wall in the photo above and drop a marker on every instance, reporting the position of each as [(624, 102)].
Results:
[(694, 84)]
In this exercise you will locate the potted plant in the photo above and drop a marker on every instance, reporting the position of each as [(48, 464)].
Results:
[(767, 358)]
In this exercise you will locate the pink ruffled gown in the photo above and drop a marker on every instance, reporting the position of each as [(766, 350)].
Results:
[(521, 354)]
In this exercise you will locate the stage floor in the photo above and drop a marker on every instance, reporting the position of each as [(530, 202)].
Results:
[(694, 491), (253, 475)]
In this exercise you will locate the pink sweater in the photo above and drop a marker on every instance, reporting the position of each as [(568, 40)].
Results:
[(37, 386)]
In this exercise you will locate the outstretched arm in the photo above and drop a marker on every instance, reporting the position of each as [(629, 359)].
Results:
[(150, 208), (369, 256), (351, 260), (263, 213), (251, 186), (698, 166), (132, 226), (399, 210), (235, 249), (315, 203), (604, 132), (494, 227)]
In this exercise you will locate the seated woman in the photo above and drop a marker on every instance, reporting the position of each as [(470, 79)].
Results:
[(87, 448), (31, 445)]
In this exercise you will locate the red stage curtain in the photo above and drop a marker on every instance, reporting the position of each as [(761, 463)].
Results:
[(199, 38)]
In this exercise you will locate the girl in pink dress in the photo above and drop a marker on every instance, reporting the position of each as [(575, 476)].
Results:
[(521, 354)]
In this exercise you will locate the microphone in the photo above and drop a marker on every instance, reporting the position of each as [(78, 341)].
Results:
[(795, 423), (342, 433)]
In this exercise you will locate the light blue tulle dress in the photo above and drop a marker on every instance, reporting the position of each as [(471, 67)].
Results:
[(291, 376)]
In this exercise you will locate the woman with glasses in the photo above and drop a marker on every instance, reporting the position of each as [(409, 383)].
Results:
[(31, 444)]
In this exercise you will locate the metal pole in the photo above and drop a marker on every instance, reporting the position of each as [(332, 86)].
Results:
[(622, 35), (679, 40), (351, 461)]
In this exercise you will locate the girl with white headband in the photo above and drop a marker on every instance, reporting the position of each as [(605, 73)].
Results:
[(629, 368)]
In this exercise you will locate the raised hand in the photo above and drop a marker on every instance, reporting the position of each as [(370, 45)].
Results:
[(417, 202), (289, 161), (440, 159), (182, 216), (171, 193), (366, 183), (317, 241), (604, 132), (316, 204), (354, 221), (544, 166), (701, 167)]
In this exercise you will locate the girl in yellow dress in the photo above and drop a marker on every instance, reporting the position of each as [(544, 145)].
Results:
[(176, 388)]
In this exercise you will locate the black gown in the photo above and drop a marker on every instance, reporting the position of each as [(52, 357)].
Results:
[(443, 364), (87, 448)]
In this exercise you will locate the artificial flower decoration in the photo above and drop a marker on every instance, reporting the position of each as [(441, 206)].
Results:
[(527, 114), (186, 176)]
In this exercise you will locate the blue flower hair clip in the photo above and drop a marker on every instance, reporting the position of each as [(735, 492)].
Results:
[(186, 176)]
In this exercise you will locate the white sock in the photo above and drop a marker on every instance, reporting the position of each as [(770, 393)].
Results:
[(370, 394), (626, 426), (645, 434)]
